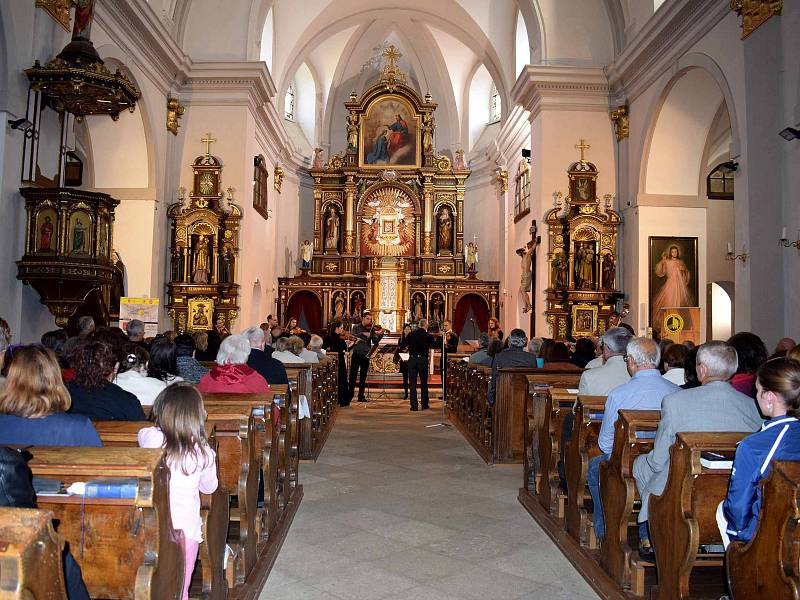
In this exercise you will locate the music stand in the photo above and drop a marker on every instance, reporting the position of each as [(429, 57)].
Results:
[(381, 395), (443, 369)]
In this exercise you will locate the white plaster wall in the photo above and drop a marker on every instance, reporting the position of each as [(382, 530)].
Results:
[(119, 151), (134, 227)]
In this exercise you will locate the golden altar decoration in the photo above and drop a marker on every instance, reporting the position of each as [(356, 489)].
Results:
[(388, 215), (204, 250), (582, 256)]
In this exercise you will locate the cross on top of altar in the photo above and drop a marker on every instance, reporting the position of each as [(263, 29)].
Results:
[(582, 146), (392, 74), (208, 140)]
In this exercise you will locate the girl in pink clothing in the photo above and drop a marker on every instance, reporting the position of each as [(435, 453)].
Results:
[(179, 419)]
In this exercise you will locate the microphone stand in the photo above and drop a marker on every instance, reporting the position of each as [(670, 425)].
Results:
[(443, 422)]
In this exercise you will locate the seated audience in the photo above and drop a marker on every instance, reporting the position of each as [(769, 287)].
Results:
[(315, 345), (601, 380), (782, 347), (34, 402), (644, 391), (559, 358), (132, 376), (232, 375), (584, 352), (598, 360), (545, 349), (17, 491), (202, 352), (115, 339), (535, 346), (715, 406), (275, 333), (690, 369), (480, 356), (188, 367), (5, 342), (92, 391), (269, 368), (663, 344), (752, 353), (297, 346), (135, 331), (55, 340), (778, 396), (495, 347), (673, 363), (284, 354), (85, 327), (513, 356), (163, 364), (794, 353)]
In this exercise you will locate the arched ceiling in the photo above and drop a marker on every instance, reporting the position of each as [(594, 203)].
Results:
[(444, 43)]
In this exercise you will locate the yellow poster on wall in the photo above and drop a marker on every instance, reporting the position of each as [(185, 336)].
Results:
[(143, 309)]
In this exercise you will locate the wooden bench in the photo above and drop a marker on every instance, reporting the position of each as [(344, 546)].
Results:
[(581, 448), (468, 407), (549, 408), (319, 384), (214, 508), (30, 556), (618, 491), (126, 547), (684, 516), (768, 566)]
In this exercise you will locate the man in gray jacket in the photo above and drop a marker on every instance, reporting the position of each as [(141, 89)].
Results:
[(714, 406), (513, 356)]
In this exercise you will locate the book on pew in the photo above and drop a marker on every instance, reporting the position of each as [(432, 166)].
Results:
[(105, 488), (712, 460)]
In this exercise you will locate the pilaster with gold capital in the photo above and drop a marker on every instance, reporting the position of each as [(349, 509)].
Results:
[(349, 199), (317, 219), (427, 231)]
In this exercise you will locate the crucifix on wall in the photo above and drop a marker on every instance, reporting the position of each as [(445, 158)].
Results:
[(535, 241)]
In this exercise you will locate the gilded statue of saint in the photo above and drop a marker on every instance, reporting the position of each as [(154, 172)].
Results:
[(445, 229), (201, 271), (332, 228)]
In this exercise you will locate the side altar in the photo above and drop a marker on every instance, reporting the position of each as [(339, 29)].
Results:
[(389, 223)]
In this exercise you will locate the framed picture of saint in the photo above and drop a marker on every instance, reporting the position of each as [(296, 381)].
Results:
[(582, 189), (46, 233), (584, 320), (673, 274), (389, 134), (201, 312), (80, 233)]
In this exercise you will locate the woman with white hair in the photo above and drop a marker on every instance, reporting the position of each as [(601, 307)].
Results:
[(232, 375), (315, 345)]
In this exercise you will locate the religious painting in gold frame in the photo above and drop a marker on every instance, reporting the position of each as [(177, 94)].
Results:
[(201, 314), (80, 233), (46, 231), (390, 134), (584, 320)]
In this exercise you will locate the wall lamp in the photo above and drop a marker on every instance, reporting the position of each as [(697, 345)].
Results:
[(730, 166), (790, 133), (23, 125), (784, 241), (526, 154), (732, 256)]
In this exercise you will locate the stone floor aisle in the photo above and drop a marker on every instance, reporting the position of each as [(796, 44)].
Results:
[(397, 511)]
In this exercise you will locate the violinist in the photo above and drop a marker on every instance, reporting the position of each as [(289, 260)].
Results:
[(335, 342), (367, 335), (450, 337), (293, 328), (402, 347)]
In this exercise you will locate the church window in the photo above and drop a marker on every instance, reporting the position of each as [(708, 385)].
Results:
[(522, 193), (288, 103), (719, 183), (260, 177), (494, 105)]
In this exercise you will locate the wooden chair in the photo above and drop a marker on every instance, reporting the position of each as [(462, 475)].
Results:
[(618, 492), (102, 530), (684, 516), (214, 508), (768, 566), (30, 556), (581, 448)]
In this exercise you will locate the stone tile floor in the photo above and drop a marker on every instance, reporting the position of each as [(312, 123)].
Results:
[(394, 510)]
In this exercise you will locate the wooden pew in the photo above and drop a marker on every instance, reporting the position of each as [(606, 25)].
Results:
[(301, 382), (550, 409), (618, 492), (214, 508), (684, 516), (126, 547), (30, 556), (581, 448), (768, 566)]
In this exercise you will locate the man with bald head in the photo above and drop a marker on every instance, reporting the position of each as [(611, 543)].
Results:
[(644, 391)]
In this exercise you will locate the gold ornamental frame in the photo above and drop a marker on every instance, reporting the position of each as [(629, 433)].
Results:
[(196, 306), (579, 325), (413, 114)]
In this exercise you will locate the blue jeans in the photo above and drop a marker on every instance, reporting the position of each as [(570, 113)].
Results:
[(593, 479)]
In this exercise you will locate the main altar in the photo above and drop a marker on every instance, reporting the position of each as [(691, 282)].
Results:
[(388, 223)]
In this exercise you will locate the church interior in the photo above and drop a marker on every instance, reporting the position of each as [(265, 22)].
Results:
[(399, 185)]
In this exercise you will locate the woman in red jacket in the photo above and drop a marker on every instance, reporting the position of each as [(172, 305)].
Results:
[(232, 375)]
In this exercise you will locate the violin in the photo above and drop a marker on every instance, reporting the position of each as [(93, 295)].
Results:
[(297, 331)]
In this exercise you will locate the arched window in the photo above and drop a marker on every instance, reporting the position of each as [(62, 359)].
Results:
[(522, 192), (288, 103), (494, 105), (719, 183)]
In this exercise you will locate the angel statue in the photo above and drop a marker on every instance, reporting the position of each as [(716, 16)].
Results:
[(471, 257)]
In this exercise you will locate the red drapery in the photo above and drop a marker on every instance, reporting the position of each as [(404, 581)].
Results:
[(470, 306), (306, 308)]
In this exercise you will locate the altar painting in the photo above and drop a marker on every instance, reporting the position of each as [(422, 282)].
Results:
[(389, 134)]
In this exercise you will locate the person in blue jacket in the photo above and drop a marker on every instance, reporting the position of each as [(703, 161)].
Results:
[(778, 395)]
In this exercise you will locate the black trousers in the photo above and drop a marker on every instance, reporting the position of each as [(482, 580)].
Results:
[(359, 363), (418, 366), (404, 372)]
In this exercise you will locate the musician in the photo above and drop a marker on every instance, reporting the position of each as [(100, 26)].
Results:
[(335, 342), (293, 328), (450, 337), (419, 343), (367, 335), (403, 364)]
